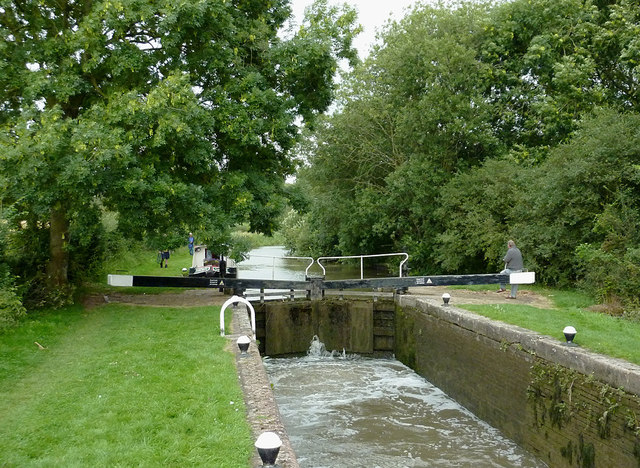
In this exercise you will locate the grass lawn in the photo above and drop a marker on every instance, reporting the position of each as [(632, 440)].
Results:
[(139, 262), (143, 262), (612, 336), (121, 386)]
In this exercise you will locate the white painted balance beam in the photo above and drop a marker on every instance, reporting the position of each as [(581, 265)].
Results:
[(120, 280), (523, 277)]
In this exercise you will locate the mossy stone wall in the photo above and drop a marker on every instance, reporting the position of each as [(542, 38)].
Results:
[(565, 405), (357, 326)]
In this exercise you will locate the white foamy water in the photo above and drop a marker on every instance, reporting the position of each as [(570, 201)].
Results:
[(349, 411)]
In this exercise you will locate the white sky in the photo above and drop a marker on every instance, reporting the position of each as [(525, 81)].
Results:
[(372, 15)]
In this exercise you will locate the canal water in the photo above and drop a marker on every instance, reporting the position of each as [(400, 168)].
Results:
[(269, 263), (272, 262), (351, 411)]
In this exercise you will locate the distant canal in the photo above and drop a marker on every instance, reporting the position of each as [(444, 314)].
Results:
[(271, 263)]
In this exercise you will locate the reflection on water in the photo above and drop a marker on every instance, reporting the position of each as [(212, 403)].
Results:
[(351, 411), (267, 263)]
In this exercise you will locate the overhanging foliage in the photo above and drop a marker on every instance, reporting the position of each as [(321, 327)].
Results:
[(177, 116)]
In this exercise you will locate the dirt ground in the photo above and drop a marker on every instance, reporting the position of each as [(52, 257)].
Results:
[(186, 298), (204, 297), (466, 296)]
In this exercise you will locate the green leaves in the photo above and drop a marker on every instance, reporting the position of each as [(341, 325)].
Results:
[(158, 110), (410, 117), (478, 123)]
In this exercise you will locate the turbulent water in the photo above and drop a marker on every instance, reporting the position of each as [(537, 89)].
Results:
[(348, 411)]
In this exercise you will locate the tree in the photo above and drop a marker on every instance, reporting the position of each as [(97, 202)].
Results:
[(554, 61), (440, 143), (575, 196), (168, 114), (479, 210), (408, 119), (573, 215)]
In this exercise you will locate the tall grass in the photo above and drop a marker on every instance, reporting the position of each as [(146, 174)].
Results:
[(120, 386)]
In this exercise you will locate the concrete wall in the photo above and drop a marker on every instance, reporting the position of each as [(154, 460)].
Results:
[(566, 405)]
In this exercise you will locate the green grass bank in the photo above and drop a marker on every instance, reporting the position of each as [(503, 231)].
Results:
[(120, 385), (615, 336)]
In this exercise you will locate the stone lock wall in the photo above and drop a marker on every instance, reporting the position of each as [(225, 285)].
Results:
[(569, 407), (357, 326)]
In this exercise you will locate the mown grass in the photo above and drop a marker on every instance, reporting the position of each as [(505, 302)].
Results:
[(144, 262), (120, 386), (138, 261), (605, 334)]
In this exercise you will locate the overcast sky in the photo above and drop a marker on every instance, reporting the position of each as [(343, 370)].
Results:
[(372, 15)]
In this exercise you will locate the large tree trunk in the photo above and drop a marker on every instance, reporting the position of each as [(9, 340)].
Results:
[(58, 255)]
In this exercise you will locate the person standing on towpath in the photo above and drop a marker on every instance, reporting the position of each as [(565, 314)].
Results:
[(163, 257), (512, 264), (191, 241)]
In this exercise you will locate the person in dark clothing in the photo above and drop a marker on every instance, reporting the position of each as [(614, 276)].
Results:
[(163, 257), (512, 264)]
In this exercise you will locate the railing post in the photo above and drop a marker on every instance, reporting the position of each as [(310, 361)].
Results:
[(316, 291)]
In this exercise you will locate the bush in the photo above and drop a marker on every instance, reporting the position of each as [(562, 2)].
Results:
[(478, 210), (610, 269), (39, 295), (585, 193), (11, 308)]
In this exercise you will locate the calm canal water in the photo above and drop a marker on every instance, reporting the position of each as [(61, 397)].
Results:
[(351, 411), (270, 263)]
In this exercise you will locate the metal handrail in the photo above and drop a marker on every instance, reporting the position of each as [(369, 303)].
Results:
[(362, 257), (273, 262), (234, 300)]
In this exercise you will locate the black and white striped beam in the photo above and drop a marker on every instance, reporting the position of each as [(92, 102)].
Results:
[(245, 283)]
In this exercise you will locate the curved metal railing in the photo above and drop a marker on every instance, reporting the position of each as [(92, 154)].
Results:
[(362, 257)]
